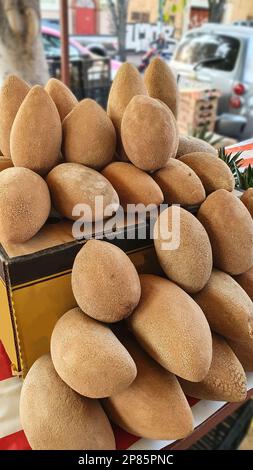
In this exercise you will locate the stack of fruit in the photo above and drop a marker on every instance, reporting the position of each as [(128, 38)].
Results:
[(140, 343), (58, 152)]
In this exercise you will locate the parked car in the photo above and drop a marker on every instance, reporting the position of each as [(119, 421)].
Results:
[(100, 44), (52, 46), (220, 56), (51, 23)]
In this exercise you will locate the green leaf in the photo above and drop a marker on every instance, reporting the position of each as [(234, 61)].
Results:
[(234, 163), (206, 135), (244, 178), (216, 141)]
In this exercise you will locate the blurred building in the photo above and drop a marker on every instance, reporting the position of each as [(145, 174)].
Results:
[(143, 12), (170, 12), (49, 9), (83, 15), (238, 10)]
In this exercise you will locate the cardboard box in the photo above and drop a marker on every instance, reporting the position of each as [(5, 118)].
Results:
[(35, 286), (197, 109)]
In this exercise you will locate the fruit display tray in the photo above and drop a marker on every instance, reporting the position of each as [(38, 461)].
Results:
[(207, 414)]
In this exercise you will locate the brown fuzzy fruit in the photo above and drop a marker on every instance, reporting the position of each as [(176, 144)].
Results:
[(247, 199), (133, 185), (107, 290), (127, 83), (244, 352), (12, 94), (225, 381), (24, 204), (89, 357), (189, 262), (88, 135), (189, 144), (36, 133), (62, 96), (161, 83), (5, 163), (174, 125), (149, 133), (227, 307), (172, 329), (153, 406), (71, 184), (213, 172), (230, 229), (54, 417), (179, 184), (246, 282)]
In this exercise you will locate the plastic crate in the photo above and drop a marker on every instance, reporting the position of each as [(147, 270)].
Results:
[(89, 78), (228, 434)]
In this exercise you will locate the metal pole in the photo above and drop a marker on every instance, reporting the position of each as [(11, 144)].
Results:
[(65, 76)]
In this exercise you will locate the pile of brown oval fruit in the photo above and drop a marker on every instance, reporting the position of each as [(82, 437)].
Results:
[(58, 152), (135, 345)]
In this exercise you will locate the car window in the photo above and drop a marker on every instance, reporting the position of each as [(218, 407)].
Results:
[(52, 46), (201, 46)]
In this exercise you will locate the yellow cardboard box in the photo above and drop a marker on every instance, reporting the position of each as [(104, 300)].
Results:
[(35, 287)]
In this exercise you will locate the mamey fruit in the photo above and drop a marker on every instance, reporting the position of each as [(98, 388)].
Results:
[(189, 261), (149, 133), (36, 133), (24, 204), (161, 83), (62, 96), (179, 184), (244, 352), (54, 417), (153, 406), (230, 229), (247, 199), (133, 185), (109, 290), (172, 329), (213, 172), (88, 356), (246, 282), (12, 94), (225, 381), (127, 83), (227, 307), (88, 135), (189, 144), (72, 184)]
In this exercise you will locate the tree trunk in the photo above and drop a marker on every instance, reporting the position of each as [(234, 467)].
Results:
[(122, 14), (118, 10), (216, 10), (21, 48)]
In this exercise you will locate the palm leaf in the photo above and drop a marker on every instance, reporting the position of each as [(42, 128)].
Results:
[(245, 178), (206, 135), (232, 160)]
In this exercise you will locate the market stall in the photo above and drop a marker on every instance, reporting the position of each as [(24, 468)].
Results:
[(125, 270)]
